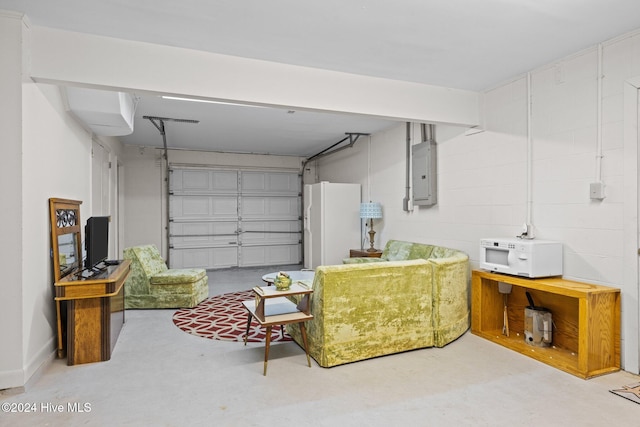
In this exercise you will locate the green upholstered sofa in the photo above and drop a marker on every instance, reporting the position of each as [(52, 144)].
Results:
[(368, 308), (152, 285)]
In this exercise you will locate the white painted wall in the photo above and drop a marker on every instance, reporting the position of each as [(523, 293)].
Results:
[(11, 221), (482, 178), (56, 163), (45, 154)]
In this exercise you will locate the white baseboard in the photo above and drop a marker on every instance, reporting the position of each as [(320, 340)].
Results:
[(18, 381)]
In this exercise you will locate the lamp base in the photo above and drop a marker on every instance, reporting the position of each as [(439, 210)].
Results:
[(371, 234)]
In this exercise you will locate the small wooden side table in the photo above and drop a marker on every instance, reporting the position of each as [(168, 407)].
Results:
[(363, 253), (271, 307)]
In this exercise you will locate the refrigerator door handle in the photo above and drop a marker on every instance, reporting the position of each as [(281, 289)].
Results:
[(307, 215)]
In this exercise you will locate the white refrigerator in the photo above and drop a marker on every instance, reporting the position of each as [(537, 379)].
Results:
[(331, 222)]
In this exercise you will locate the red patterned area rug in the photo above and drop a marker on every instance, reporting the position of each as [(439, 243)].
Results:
[(223, 317)]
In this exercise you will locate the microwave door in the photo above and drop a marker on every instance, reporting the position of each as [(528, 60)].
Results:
[(497, 256)]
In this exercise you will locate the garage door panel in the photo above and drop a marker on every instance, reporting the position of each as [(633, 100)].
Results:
[(253, 207), (270, 238), (284, 182), (270, 182), (253, 181), (270, 208), (272, 226), (195, 180), (195, 206), (191, 258), (200, 181), (283, 207), (271, 232), (225, 181), (189, 206), (224, 206), (203, 234), (270, 255), (185, 208), (204, 257)]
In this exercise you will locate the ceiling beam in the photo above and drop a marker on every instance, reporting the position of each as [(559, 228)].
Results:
[(69, 58)]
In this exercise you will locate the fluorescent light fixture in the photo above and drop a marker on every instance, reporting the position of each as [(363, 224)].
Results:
[(208, 101)]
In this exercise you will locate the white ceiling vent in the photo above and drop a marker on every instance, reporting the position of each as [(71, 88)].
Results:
[(105, 113)]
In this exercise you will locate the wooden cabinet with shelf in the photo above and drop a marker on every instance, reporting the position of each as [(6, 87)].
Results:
[(95, 312), (586, 318)]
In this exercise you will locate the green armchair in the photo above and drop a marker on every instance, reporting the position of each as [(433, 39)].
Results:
[(152, 285)]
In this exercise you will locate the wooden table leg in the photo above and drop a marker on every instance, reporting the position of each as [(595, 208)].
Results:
[(59, 328), (266, 349), (246, 336), (303, 332)]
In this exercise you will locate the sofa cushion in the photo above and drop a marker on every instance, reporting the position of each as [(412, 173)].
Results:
[(177, 276), (171, 296), (396, 250), (438, 252), (149, 258)]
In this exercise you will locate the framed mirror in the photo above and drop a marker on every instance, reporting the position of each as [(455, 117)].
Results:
[(66, 249), (67, 253), (66, 239)]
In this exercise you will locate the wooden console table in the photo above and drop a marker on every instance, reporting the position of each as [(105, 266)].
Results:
[(586, 318), (95, 312)]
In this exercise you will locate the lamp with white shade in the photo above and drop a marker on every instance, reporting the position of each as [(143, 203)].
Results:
[(370, 211)]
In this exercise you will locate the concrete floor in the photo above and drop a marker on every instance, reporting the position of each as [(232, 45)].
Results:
[(161, 376)]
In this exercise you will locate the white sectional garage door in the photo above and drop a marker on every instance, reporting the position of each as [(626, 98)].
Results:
[(226, 218)]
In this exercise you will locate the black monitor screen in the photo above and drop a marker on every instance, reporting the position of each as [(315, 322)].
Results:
[(96, 240)]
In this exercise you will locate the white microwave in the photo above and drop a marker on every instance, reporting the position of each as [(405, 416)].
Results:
[(521, 257)]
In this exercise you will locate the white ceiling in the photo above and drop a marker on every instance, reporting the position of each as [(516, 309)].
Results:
[(464, 44)]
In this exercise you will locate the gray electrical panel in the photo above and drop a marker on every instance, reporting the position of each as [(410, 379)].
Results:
[(423, 166)]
